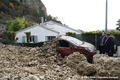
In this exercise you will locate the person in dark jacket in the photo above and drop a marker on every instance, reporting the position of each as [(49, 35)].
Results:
[(101, 45), (109, 45)]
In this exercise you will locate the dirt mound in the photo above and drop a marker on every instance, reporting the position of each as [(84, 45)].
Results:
[(43, 63), (107, 66)]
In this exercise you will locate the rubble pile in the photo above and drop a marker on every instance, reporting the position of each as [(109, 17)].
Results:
[(49, 47), (26, 63), (43, 63), (107, 66)]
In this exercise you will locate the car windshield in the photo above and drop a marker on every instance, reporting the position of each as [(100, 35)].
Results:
[(75, 41)]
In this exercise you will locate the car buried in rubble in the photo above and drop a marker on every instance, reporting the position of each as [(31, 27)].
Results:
[(66, 45)]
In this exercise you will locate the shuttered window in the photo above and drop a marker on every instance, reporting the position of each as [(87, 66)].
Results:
[(23, 39), (35, 39), (50, 38)]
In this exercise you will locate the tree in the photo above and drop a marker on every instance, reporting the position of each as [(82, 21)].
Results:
[(118, 23), (28, 36), (49, 17), (15, 25), (70, 34), (12, 5), (18, 24)]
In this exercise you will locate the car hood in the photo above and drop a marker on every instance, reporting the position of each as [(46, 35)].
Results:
[(88, 45)]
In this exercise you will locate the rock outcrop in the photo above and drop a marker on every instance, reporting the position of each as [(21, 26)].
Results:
[(36, 5), (30, 9)]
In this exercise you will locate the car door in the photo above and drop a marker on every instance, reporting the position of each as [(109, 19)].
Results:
[(65, 48)]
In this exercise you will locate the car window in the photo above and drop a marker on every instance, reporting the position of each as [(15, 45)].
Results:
[(63, 43), (71, 45), (75, 41)]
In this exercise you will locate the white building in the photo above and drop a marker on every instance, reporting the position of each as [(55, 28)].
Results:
[(44, 32), (62, 29)]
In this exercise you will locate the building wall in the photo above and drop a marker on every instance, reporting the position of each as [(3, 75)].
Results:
[(38, 31), (60, 29)]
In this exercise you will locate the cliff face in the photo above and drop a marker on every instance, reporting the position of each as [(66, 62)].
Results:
[(36, 5), (30, 9)]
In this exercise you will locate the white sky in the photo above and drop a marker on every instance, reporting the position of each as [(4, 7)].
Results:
[(87, 15)]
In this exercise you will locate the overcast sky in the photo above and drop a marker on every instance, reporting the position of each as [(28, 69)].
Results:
[(87, 15)]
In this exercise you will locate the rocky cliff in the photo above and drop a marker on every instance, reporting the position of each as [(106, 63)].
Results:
[(36, 5), (30, 9)]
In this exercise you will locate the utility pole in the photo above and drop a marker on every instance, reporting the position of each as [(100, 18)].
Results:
[(106, 16)]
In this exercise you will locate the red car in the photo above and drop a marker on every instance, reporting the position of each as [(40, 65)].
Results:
[(67, 45)]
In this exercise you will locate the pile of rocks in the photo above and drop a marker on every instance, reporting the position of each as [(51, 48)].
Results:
[(107, 66), (43, 63), (26, 63)]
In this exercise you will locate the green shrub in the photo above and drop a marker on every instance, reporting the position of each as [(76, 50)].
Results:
[(17, 24), (113, 32), (70, 34)]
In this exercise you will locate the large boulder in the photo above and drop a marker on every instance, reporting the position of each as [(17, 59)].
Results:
[(85, 68), (74, 59), (79, 62)]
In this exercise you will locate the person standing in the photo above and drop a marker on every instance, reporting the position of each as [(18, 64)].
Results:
[(109, 45), (101, 45)]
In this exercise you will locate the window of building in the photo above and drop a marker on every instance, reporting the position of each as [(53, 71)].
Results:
[(33, 39), (50, 38)]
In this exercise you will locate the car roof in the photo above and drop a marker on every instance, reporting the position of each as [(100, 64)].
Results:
[(64, 37)]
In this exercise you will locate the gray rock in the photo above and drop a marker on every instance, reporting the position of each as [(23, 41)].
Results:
[(36, 5)]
